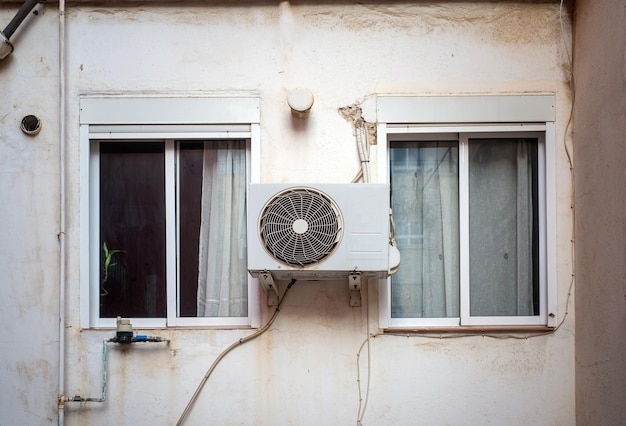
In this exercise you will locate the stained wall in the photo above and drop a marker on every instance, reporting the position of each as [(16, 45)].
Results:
[(600, 152), (306, 369)]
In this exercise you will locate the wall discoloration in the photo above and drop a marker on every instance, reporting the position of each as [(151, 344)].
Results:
[(345, 54), (600, 155)]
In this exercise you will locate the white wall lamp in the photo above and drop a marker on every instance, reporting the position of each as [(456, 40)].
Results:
[(300, 101)]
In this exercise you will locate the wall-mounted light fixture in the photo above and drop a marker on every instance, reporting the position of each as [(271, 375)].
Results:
[(300, 101)]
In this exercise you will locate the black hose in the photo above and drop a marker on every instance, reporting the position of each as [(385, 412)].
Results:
[(19, 17)]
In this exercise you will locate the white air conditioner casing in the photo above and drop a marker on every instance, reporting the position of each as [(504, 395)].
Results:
[(320, 231)]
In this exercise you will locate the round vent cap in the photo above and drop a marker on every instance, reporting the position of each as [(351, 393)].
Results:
[(300, 226)]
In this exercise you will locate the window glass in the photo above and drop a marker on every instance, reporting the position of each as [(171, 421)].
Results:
[(209, 243), (424, 199), (132, 230), (190, 159), (503, 228), (212, 233), (484, 188)]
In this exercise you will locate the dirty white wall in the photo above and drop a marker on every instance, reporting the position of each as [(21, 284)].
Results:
[(600, 117), (304, 370), (29, 218)]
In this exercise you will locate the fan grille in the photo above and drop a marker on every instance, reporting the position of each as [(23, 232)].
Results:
[(300, 226)]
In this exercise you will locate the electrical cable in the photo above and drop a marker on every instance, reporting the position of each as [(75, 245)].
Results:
[(571, 166), (363, 403), (353, 113), (569, 59), (358, 177), (360, 135), (230, 348)]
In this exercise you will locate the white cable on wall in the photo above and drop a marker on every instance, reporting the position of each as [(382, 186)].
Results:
[(227, 350), (353, 114)]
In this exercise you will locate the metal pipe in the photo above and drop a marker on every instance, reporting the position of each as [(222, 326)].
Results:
[(104, 380), (62, 213), (19, 17), (104, 377), (137, 339), (103, 398)]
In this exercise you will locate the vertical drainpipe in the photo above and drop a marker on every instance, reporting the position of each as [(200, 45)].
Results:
[(62, 196)]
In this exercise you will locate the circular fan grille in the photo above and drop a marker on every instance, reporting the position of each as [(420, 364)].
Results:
[(300, 226)]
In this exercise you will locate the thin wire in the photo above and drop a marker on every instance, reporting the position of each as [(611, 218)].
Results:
[(363, 404), (230, 348), (569, 59), (358, 176), (370, 336), (359, 417), (571, 168)]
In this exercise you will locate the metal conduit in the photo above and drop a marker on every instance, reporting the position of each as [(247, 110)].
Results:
[(6, 47), (19, 17)]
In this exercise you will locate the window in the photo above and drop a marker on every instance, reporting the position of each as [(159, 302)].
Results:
[(472, 206), (167, 212)]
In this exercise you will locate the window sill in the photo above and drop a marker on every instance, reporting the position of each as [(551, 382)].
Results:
[(174, 328), (471, 330), (187, 323)]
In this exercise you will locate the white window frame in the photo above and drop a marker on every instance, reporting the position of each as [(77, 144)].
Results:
[(167, 120), (404, 117)]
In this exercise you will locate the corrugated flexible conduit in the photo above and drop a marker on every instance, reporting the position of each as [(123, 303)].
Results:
[(361, 142), (21, 14)]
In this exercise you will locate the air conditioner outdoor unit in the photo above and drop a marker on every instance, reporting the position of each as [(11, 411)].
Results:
[(319, 232)]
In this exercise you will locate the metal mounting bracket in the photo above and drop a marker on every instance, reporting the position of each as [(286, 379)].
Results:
[(270, 288), (354, 284)]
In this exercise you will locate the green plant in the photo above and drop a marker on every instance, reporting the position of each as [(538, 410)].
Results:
[(108, 263)]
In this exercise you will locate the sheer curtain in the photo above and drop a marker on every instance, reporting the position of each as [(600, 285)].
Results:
[(503, 235), (222, 274), (424, 200), (501, 227)]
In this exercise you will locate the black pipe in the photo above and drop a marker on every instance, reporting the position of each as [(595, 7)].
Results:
[(19, 17)]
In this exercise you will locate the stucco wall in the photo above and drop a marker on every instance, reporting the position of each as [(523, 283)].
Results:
[(304, 370), (600, 152), (29, 184)]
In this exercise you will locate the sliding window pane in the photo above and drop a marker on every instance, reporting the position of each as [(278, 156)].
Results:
[(132, 230), (190, 159), (212, 236), (503, 229), (424, 198)]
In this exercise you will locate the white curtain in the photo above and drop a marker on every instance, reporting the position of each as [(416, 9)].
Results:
[(222, 275), (425, 208), (501, 228), (424, 182)]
